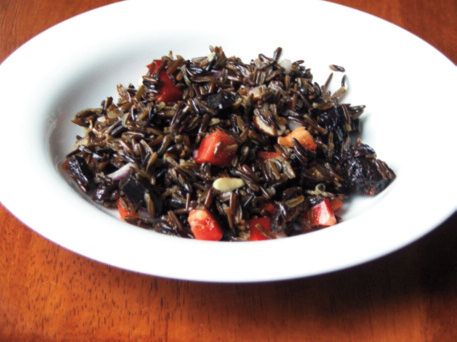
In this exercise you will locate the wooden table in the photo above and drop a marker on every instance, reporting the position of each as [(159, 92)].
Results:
[(48, 293)]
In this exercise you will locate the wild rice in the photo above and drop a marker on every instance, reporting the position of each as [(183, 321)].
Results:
[(141, 150)]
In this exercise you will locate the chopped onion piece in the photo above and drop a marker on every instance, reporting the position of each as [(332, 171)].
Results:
[(122, 172)]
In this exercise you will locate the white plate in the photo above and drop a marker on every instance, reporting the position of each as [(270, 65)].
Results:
[(407, 85)]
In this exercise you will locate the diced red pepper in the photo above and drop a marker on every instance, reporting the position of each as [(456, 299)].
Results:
[(322, 214), (258, 228), (217, 148), (124, 211), (265, 155), (167, 90), (336, 203), (269, 208), (204, 226)]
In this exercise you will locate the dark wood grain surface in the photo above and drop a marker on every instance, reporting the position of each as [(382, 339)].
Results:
[(50, 294)]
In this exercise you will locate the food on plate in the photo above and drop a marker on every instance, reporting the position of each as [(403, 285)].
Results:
[(214, 148)]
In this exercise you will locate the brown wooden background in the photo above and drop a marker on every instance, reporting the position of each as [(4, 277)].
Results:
[(50, 294)]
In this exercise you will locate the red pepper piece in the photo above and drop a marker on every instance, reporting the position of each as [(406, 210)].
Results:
[(124, 211), (269, 208), (204, 226), (336, 203), (264, 155), (217, 148), (322, 214), (258, 228), (167, 90)]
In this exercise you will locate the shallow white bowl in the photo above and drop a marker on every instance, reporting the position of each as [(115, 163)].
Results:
[(407, 85)]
